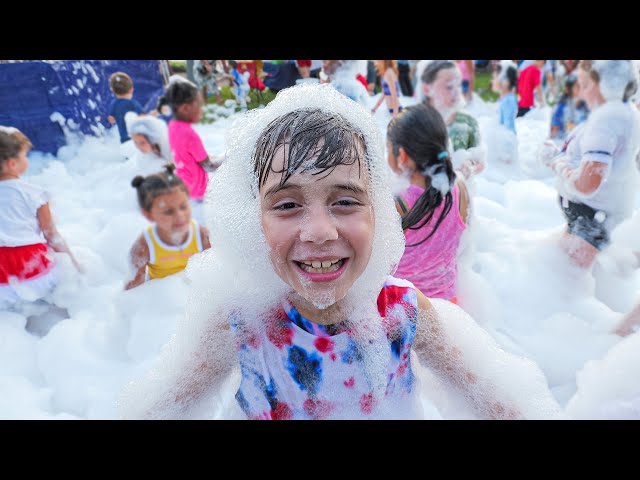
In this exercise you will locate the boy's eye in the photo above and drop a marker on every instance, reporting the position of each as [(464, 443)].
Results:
[(286, 206), (345, 202)]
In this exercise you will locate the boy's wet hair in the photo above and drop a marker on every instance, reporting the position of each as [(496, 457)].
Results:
[(422, 133), (304, 134), (431, 71), (120, 83), (180, 92), (12, 142), (157, 184)]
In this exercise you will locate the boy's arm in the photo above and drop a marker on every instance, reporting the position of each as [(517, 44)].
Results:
[(206, 369), (54, 239), (138, 259), (459, 359)]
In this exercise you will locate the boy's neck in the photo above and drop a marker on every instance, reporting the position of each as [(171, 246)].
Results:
[(127, 96), (326, 316)]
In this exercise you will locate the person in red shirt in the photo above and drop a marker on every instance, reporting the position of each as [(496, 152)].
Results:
[(529, 82)]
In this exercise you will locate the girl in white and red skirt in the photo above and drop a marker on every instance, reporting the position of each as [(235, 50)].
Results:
[(26, 227)]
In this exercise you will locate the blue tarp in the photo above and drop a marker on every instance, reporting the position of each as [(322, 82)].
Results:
[(78, 90)]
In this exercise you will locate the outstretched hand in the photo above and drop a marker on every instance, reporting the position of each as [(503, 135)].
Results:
[(548, 151)]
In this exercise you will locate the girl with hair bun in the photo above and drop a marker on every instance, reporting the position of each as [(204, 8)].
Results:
[(165, 247)]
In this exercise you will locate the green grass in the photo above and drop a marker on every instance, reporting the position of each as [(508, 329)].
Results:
[(255, 100), (483, 87), (178, 66)]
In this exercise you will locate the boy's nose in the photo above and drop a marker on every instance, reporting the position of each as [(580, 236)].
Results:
[(318, 226)]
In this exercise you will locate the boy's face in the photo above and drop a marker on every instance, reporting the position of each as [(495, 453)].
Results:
[(319, 229)]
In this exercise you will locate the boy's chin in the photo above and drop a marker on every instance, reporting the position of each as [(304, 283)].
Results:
[(321, 298)]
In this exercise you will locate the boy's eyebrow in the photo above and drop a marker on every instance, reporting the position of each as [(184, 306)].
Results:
[(277, 187), (354, 187)]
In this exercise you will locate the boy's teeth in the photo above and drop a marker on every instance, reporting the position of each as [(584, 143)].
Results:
[(321, 267)]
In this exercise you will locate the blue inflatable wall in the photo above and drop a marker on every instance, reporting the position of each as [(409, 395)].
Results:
[(78, 90)]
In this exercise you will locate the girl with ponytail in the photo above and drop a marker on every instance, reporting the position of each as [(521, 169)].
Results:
[(435, 206)]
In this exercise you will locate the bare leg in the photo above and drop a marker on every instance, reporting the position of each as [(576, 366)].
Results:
[(632, 319), (581, 252)]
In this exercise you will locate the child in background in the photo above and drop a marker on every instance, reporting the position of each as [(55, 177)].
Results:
[(26, 226), (240, 84), (165, 247), (441, 82), (150, 136), (530, 82), (122, 87), (468, 73), (191, 159), (570, 111), (321, 328), (434, 208), (505, 80), (163, 110), (594, 169), (206, 76), (388, 73)]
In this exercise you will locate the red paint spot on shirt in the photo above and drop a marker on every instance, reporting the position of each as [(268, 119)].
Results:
[(323, 344), (318, 409), (350, 383), (282, 412), (367, 403), (278, 331)]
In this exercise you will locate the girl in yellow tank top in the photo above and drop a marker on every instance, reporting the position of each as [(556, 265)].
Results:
[(165, 247)]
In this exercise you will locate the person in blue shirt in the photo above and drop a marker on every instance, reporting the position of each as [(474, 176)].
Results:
[(505, 80), (122, 87), (570, 110)]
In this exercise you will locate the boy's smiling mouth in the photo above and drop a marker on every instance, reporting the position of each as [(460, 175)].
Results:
[(322, 269)]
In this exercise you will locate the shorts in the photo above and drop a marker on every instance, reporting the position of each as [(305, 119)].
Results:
[(303, 63), (523, 111), (582, 223), (23, 262)]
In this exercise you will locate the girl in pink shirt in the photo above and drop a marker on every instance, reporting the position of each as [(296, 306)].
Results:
[(191, 159), (434, 207)]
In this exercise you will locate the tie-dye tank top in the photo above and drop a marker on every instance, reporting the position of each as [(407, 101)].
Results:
[(296, 369)]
